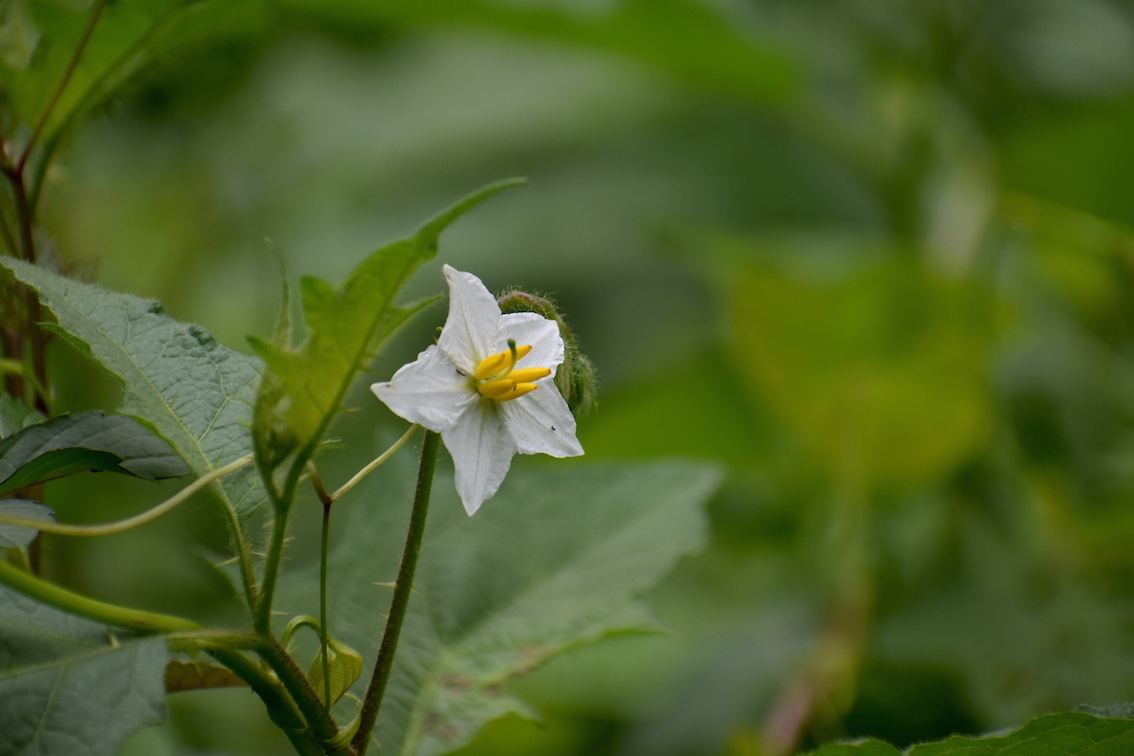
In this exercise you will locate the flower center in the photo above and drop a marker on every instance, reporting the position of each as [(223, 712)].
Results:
[(497, 377)]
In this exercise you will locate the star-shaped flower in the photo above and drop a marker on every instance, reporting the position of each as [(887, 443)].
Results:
[(488, 388)]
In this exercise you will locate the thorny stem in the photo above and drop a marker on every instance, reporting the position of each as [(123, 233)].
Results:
[(327, 500), (281, 708), (281, 504), (324, 544), (299, 687), (402, 591)]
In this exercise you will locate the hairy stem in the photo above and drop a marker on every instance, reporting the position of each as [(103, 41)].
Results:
[(402, 591), (281, 708), (299, 688)]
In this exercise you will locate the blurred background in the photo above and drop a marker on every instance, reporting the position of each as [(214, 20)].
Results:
[(874, 258)]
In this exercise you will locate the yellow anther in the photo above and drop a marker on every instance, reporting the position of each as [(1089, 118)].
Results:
[(494, 389), (527, 375), (517, 390), (500, 364), (505, 389)]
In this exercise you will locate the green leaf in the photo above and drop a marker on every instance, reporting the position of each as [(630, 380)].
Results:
[(69, 685), (85, 441), (345, 665), (15, 415), (1068, 734), (194, 392), (865, 748), (555, 560), (303, 388), (196, 675), (12, 536)]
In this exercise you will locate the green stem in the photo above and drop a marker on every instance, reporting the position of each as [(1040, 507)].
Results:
[(281, 506), (99, 611), (402, 591), (281, 708), (318, 717), (324, 633), (121, 526)]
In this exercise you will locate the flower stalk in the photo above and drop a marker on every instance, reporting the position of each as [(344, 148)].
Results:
[(402, 591)]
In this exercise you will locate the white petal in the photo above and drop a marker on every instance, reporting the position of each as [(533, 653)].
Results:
[(482, 453), (467, 337), (532, 328), (542, 423), (429, 391)]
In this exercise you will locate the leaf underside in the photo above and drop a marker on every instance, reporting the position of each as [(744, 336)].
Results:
[(554, 560), (84, 441), (193, 392), (68, 685)]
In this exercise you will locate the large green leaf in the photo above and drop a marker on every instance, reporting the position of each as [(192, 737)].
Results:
[(68, 685), (555, 560), (84, 441), (303, 388), (194, 392), (1069, 734)]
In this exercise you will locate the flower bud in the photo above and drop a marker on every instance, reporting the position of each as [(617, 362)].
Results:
[(575, 378)]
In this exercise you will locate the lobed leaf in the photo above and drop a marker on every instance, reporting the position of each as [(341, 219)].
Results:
[(192, 391), (84, 441), (304, 387), (555, 560), (68, 685)]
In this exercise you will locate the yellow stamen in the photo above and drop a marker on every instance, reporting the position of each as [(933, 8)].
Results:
[(495, 389), (498, 379), (517, 390), (528, 375), (499, 365)]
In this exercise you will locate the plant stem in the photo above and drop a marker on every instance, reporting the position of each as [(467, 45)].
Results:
[(121, 526), (281, 506), (324, 632), (381, 458), (281, 708), (402, 591), (99, 611), (299, 688)]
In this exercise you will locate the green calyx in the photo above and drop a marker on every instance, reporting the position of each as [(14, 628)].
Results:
[(575, 378)]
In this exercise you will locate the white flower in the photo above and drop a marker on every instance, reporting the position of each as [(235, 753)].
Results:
[(487, 387)]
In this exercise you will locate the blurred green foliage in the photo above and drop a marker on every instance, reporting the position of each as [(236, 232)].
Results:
[(874, 256)]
